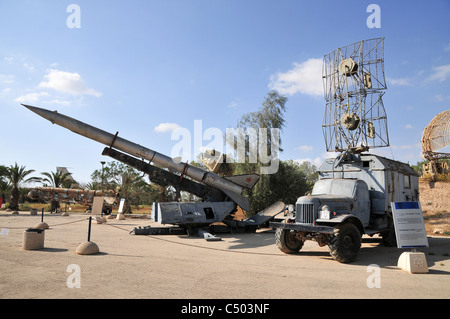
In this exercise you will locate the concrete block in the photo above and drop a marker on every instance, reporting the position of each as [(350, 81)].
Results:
[(33, 239), (413, 262)]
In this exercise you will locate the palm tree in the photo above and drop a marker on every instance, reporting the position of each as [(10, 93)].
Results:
[(92, 186), (55, 179), (4, 185), (17, 175)]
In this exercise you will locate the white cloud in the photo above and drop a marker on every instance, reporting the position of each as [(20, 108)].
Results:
[(60, 102), (5, 91), (233, 103), (305, 78), (409, 126), (29, 67), (30, 97), (67, 82), (406, 146), (440, 73), (6, 78), (305, 148), (166, 127), (314, 161), (440, 97), (400, 81), (447, 48)]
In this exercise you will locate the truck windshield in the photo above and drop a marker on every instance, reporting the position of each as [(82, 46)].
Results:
[(334, 187)]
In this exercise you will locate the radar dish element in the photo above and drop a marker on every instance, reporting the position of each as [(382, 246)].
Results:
[(436, 136)]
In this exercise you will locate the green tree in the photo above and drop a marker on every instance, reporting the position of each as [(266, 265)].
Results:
[(4, 188), (3, 171), (269, 116), (311, 173), (92, 186), (290, 180), (55, 179), (4, 185), (16, 175), (127, 181)]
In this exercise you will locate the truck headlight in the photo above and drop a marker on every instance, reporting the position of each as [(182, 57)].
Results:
[(324, 212)]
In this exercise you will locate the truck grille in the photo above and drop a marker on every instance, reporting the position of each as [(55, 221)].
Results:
[(305, 213)]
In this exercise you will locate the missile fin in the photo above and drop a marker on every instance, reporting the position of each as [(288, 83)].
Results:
[(247, 180), (240, 200)]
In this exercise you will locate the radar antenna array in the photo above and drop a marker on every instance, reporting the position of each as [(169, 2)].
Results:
[(354, 83)]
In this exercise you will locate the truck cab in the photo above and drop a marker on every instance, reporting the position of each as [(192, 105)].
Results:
[(334, 200)]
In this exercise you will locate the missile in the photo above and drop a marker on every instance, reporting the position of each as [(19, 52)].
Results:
[(232, 186)]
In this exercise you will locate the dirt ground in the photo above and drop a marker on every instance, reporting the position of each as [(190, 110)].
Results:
[(435, 202), (240, 266)]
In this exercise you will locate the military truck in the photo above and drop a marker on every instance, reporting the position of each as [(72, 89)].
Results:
[(352, 198)]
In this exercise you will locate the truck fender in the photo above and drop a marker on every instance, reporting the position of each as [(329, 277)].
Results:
[(344, 218)]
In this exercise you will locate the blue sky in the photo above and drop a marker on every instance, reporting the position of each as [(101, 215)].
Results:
[(144, 67)]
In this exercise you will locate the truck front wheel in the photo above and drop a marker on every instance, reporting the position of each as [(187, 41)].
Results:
[(345, 243), (287, 241)]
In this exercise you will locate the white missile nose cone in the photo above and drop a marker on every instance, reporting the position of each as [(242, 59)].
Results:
[(41, 112), (27, 106), (35, 109)]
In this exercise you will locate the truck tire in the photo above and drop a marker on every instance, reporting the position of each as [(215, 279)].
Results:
[(287, 241), (388, 237), (345, 243)]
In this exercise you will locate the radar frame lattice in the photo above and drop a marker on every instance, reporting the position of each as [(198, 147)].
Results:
[(354, 83)]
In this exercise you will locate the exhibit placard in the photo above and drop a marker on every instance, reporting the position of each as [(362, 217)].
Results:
[(409, 225)]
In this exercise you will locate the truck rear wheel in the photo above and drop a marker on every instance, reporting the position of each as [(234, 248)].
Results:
[(389, 237), (287, 241), (344, 245)]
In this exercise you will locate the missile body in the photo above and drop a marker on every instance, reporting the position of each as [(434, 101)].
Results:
[(231, 189)]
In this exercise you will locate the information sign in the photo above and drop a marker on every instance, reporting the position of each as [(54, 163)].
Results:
[(409, 225)]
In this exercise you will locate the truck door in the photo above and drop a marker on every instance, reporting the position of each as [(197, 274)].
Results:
[(362, 202)]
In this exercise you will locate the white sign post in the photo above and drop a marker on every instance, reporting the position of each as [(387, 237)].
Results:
[(411, 233), (122, 202), (119, 213)]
